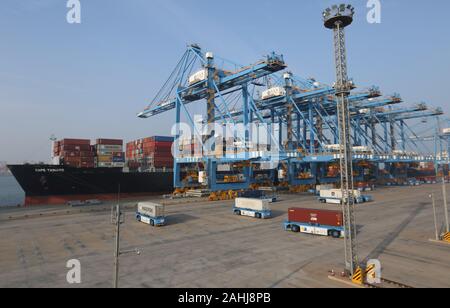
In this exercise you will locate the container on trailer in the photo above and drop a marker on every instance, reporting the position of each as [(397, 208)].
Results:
[(321, 187), (316, 217), (151, 209), (336, 193), (252, 204)]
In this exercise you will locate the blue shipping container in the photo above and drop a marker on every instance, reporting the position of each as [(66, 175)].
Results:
[(163, 139), (118, 159)]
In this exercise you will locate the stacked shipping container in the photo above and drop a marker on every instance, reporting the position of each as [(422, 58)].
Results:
[(152, 152), (76, 153), (109, 153)]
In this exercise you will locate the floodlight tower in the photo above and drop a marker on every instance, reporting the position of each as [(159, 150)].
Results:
[(337, 18)]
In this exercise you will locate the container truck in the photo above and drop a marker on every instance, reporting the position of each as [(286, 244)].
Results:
[(151, 214), (316, 222), (334, 196), (257, 208)]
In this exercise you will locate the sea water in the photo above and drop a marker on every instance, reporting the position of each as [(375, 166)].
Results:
[(11, 194)]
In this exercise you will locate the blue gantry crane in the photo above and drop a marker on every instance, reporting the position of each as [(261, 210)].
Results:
[(294, 121)]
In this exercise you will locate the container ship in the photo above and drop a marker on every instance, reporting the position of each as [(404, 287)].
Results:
[(81, 171)]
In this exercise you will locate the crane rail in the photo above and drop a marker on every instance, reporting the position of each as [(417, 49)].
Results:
[(388, 283)]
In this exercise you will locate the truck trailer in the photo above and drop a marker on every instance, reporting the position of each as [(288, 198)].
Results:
[(316, 222), (151, 214), (257, 208)]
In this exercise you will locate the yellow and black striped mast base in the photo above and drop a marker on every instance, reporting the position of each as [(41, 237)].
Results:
[(370, 272), (358, 276), (446, 237)]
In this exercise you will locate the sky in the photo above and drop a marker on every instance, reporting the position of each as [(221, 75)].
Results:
[(90, 80)]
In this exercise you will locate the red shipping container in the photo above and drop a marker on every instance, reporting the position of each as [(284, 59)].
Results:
[(158, 144), (161, 155), (316, 217), (72, 164), (87, 160), (158, 149), (87, 154), (72, 159), (73, 147), (75, 142), (109, 141), (67, 154), (163, 165)]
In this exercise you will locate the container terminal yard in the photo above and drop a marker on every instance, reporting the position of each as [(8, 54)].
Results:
[(282, 182), (203, 245)]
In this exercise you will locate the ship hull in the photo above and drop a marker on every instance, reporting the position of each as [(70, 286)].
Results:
[(51, 185)]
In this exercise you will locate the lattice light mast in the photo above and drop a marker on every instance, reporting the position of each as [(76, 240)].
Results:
[(337, 18)]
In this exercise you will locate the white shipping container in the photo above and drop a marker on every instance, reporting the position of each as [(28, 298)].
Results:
[(112, 148), (252, 204), (199, 76), (364, 111), (336, 193), (446, 131), (399, 152), (56, 161), (104, 165), (151, 209), (324, 187), (332, 147), (364, 149), (223, 168), (202, 177), (273, 92)]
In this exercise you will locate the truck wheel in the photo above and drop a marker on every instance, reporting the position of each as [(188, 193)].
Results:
[(152, 223), (323, 201), (336, 234), (295, 229), (258, 215), (138, 218), (238, 213)]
